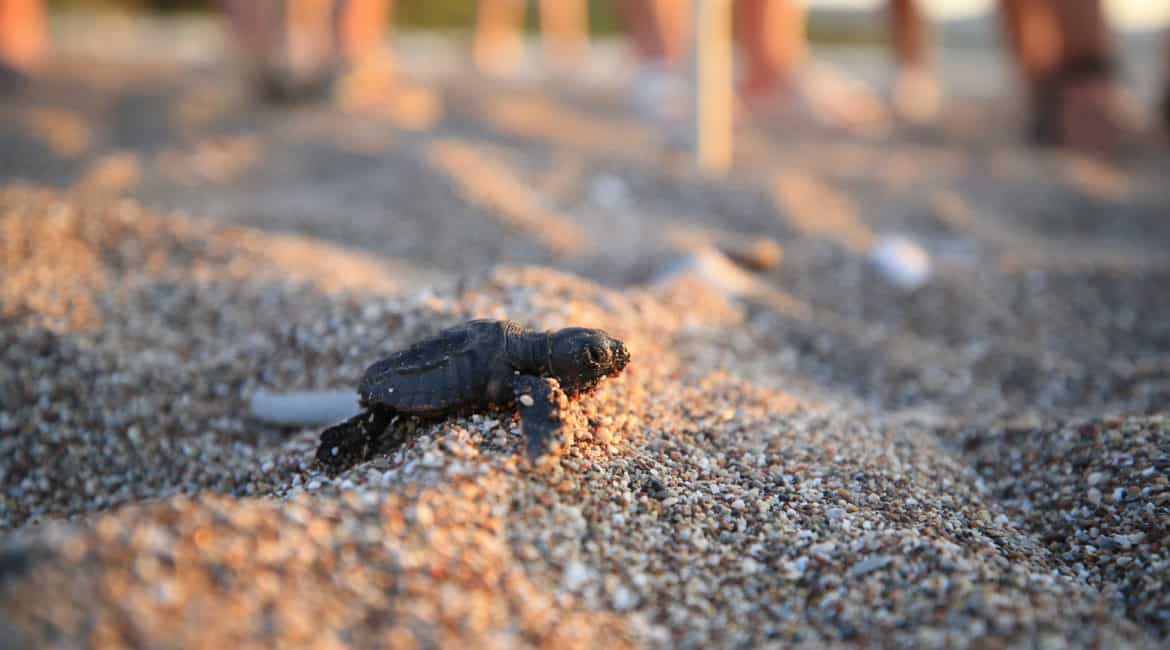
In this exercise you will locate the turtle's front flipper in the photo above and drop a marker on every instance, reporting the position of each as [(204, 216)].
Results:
[(539, 401), (349, 443)]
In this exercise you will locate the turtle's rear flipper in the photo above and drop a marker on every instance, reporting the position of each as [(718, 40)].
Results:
[(353, 441), (539, 401)]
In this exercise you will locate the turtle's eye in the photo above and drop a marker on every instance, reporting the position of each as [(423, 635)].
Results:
[(594, 355)]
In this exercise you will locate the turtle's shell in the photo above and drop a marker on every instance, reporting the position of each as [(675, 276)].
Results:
[(458, 369)]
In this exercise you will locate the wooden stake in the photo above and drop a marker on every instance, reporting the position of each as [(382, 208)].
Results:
[(712, 83)]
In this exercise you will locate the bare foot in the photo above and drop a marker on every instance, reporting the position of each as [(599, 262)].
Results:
[(760, 84), (662, 95), (1086, 108), (827, 97), (915, 96)]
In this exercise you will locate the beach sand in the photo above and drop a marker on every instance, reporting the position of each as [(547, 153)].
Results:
[(811, 457)]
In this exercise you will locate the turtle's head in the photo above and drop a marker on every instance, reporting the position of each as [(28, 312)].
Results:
[(580, 357)]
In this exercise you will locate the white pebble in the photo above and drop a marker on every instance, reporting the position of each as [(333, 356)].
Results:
[(796, 568), (868, 565), (575, 576), (303, 408), (624, 599), (423, 515), (824, 549), (1094, 496), (901, 261), (1128, 541), (609, 191)]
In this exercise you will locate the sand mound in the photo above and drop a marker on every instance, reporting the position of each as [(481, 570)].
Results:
[(693, 507), (59, 254), (1096, 494)]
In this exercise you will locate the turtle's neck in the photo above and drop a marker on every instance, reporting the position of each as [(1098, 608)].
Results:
[(529, 352)]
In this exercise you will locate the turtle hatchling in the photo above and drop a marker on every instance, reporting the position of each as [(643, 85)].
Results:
[(482, 365)]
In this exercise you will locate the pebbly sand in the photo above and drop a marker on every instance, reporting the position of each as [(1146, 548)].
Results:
[(812, 459)]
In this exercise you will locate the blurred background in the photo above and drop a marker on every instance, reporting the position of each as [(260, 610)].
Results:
[(938, 227)]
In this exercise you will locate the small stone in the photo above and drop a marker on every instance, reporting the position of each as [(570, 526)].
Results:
[(1129, 541), (795, 569), (761, 254), (868, 565), (575, 576), (824, 549), (1094, 496), (423, 515), (902, 261), (624, 599)]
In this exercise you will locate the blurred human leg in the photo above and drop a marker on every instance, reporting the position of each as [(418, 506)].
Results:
[(311, 35), (361, 26), (499, 26), (1166, 92), (262, 34), (916, 95), (498, 43), (658, 31), (1084, 30), (1033, 36), (774, 45), (256, 28), (1068, 61), (658, 28), (1097, 109), (564, 30), (295, 48), (911, 33), (1035, 41), (22, 33), (772, 35), (774, 50)]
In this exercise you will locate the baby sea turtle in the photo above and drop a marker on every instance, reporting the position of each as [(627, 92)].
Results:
[(483, 365)]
